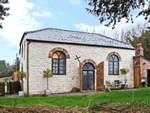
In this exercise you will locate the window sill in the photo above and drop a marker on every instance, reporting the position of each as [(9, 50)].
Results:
[(113, 74), (59, 74)]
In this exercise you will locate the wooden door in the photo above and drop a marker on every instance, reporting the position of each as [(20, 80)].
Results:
[(100, 76), (137, 77)]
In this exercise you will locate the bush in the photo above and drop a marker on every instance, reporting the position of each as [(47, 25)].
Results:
[(124, 70), (75, 89)]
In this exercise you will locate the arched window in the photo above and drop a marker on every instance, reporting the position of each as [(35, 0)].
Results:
[(113, 65), (59, 63)]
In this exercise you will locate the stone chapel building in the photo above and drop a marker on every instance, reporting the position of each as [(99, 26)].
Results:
[(101, 59)]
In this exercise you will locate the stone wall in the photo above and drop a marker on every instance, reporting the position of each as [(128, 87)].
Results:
[(39, 60), (23, 62)]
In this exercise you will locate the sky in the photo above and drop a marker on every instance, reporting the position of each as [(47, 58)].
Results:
[(28, 15)]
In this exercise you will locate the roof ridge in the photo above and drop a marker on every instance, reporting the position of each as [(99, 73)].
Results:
[(76, 31)]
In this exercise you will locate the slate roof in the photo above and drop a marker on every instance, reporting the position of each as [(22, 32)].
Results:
[(142, 57), (73, 37)]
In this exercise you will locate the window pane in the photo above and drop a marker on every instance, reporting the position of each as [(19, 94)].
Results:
[(61, 61), (116, 58), (111, 63), (116, 64), (55, 66), (90, 72), (91, 67), (84, 73), (62, 72), (110, 72), (55, 55), (110, 58), (84, 67), (55, 62), (58, 53), (62, 55), (115, 71), (62, 68), (55, 70)]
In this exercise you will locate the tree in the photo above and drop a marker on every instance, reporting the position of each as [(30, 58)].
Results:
[(46, 74), (114, 10), (3, 68), (21, 74), (144, 38), (3, 10)]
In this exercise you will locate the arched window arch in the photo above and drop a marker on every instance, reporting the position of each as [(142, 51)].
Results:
[(59, 63), (113, 65)]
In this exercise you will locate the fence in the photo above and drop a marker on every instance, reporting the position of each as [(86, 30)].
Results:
[(2, 88), (13, 87)]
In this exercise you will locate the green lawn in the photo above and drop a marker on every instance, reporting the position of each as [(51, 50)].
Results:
[(140, 97)]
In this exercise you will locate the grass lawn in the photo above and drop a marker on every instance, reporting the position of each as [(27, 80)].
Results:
[(140, 97)]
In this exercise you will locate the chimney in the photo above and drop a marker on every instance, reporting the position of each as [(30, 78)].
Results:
[(139, 50)]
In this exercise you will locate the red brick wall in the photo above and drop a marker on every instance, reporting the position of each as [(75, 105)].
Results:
[(138, 62), (145, 67)]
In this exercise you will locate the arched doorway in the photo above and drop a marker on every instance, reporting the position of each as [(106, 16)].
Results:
[(88, 78)]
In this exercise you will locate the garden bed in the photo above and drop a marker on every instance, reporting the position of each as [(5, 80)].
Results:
[(95, 109)]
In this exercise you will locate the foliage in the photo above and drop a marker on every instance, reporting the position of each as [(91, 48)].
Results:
[(18, 65), (144, 38), (7, 70), (124, 70), (21, 74), (3, 68), (46, 74), (3, 10), (114, 10)]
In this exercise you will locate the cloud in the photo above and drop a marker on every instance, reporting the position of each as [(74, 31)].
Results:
[(61, 13), (74, 2), (4, 59), (43, 14), (18, 21), (107, 31)]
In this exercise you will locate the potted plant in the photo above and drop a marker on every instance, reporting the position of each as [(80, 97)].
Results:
[(46, 74), (124, 71), (21, 75)]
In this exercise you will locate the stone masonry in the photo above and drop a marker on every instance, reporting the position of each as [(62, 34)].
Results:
[(40, 59)]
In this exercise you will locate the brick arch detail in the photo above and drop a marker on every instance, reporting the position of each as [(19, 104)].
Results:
[(59, 49), (115, 53), (88, 61)]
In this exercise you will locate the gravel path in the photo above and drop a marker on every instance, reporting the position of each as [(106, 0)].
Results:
[(72, 94)]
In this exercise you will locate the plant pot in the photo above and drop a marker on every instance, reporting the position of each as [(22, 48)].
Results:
[(126, 86), (48, 92), (21, 93)]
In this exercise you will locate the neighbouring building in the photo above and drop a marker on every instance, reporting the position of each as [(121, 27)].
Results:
[(101, 59), (141, 67)]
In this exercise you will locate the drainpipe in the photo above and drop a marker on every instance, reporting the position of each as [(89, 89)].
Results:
[(28, 67)]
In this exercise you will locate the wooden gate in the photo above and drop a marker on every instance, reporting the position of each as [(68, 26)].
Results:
[(137, 77), (100, 76)]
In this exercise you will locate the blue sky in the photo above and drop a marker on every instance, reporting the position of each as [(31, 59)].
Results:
[(28, 15)]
